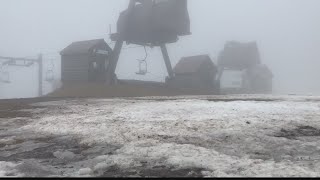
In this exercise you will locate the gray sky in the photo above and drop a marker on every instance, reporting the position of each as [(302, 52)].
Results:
[(287, 32)]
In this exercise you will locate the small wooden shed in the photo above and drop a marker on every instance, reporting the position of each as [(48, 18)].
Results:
[(85, 61), (195, 72), (261, 79)]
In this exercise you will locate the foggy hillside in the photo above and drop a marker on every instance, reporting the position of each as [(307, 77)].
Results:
[(287, 32)]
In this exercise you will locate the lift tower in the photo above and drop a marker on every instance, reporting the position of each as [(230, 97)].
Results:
[(152, 23)]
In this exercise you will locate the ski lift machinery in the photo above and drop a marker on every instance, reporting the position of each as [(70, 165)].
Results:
[(151, 23)]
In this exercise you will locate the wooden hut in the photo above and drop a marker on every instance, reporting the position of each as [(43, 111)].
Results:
[(85, 61), (195, 72)]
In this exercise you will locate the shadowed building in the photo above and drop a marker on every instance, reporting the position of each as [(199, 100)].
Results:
[(195, 72), (85, 61), (241, 70)]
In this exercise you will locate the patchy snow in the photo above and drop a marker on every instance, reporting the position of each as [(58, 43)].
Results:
[(123, 121), (85, 172), (8, 169), (32, 168), (66, 155), (222, 135), (26, 146)]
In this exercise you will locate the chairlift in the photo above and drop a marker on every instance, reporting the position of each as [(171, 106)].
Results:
[(50, 73), (143, 68), (143, 65), (5, 77), (49, 76)]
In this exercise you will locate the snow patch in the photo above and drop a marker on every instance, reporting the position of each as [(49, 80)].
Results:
[(85, 172), (8, 169), (64, 155)]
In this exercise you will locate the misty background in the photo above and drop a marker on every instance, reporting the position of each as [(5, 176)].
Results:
[(287, 32)]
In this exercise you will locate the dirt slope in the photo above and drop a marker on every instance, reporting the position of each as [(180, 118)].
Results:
[(123, 89)]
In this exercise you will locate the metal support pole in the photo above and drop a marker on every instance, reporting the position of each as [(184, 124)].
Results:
[(167, 60), (111, 76), (40, 63)]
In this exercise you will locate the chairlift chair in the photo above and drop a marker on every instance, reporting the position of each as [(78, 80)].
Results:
[(5, 77), (50, 73), (143, 65), (49, 76), (143, 68)]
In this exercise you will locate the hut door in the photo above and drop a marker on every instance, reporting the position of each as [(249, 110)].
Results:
[(93, 72), (97, 69)]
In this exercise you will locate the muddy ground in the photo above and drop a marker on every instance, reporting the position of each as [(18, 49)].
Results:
[(123, 89)]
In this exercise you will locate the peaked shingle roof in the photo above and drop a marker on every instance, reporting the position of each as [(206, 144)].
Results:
[(192, 64), (83, 47)]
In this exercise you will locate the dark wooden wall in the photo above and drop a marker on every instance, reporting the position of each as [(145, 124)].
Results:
[(74, 68)]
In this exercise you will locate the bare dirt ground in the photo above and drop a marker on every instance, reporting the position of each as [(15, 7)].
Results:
[(169, 136), (123, 89)]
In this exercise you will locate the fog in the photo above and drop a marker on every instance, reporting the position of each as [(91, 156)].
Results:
[(287, 32)]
